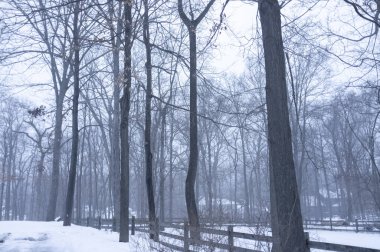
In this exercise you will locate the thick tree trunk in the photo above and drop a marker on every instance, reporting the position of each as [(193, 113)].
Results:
[(124, 125), (192, 211), (375, 174), (115, 132), (287, 229)]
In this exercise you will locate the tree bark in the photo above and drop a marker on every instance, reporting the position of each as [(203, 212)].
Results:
[(115, 132), (3, 176), (75, 127), (148, 123), (171, 178), (162, 166), (246, 190), (287, 229), (8, 177), (193, 157), (124, 125), (191, 206)]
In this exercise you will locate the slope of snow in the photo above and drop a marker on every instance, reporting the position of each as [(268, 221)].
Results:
[(28, 236)]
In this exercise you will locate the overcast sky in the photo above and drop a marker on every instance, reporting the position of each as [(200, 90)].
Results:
[(232, 46)]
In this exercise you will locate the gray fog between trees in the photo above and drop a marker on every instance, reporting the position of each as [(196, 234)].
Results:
[(137, 118)]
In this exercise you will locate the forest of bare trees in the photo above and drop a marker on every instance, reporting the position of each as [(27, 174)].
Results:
[(118, 108)]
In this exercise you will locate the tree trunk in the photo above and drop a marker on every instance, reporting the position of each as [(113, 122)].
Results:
[(8, 178), (79, 178), (90, 177), (40, 170), (192, 211), (171, 178), (115, 132), (246, 190), (148, 123), (211, 190), (162, 166), (191, 206), (3, 176), (375, 175), (287, 229), (52, 205), (124, 125), (75, 127)]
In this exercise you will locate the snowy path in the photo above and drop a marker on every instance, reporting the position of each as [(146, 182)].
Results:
[(26, 236)]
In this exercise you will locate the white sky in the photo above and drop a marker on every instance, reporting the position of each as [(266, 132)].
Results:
[(229, 55)]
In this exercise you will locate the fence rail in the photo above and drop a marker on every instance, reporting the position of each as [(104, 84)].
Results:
[(157, 230), (343, 225)]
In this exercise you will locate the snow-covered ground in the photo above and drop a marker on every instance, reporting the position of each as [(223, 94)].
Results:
[(28, 236), (361, 239), (367, 240)]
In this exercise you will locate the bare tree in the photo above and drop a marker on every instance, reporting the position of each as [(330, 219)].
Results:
[(53, 34), (125, 104), (75, 127), (41, 140), (191, 24), (148, 121), (287, 226)]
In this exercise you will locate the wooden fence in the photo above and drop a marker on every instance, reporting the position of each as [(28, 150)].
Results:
[(159, 230), (182, 236), (343, 225)]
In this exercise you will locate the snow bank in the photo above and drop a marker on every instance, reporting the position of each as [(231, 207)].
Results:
[(28, 236)]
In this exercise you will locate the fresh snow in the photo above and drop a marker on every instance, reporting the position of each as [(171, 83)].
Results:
[(29, 236), (361, 239)]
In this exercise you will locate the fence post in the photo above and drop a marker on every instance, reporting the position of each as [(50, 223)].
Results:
[(186, 236), (331, 228), (133, 225), (230, 238), (156, 229), (114, 224), (87, 221), (307, 237), (356, 225), (99, 223)]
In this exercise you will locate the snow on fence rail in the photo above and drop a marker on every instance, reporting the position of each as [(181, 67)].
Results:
[(185, 240)]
